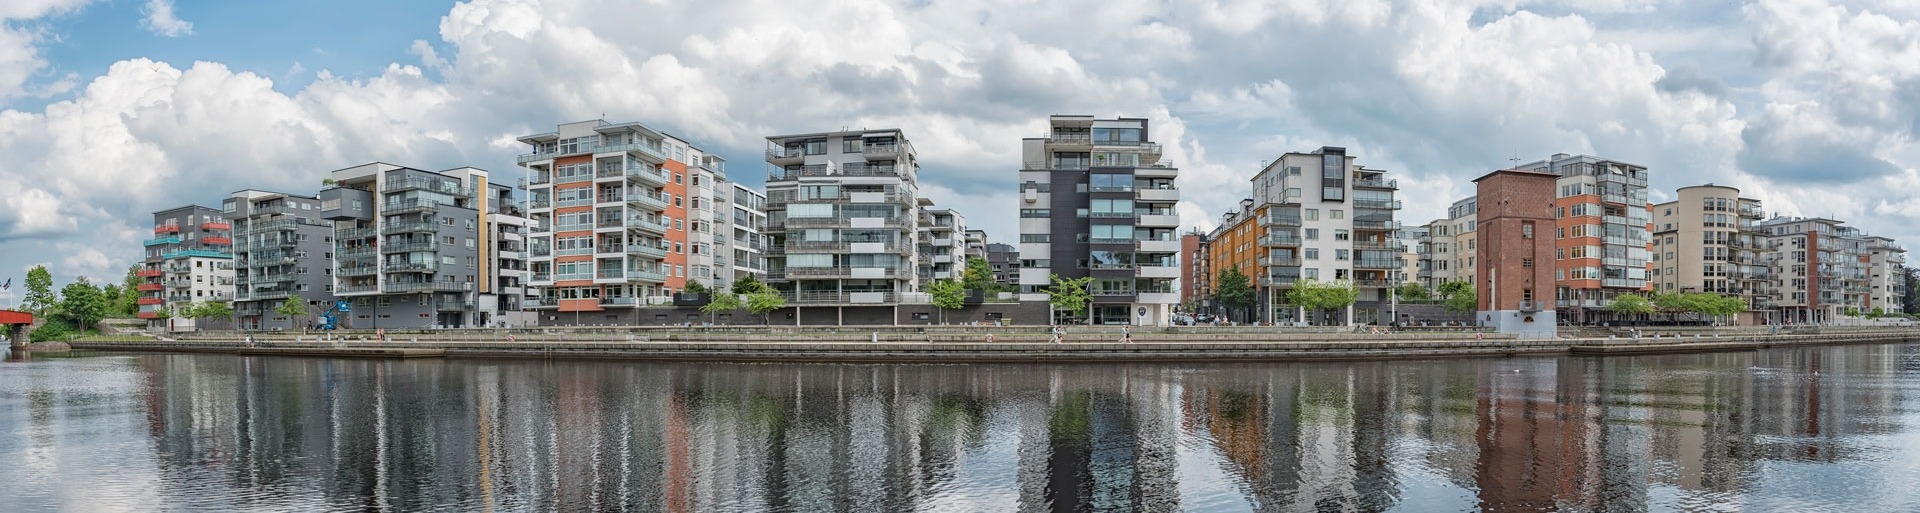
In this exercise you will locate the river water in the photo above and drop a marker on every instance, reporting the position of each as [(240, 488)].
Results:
[(1808, 429)]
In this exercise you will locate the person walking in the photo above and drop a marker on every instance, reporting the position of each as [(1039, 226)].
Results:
[(1059, 333), (1126, 333)]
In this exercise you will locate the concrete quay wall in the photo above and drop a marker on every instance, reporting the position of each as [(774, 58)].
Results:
[(1016, 347)]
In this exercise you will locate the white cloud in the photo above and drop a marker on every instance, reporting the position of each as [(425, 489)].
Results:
[(160, 19), (1436, 92)]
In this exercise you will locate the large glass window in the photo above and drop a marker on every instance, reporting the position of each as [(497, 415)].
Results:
[(1111, 183), (798, 210), (1116, 135), (1111, 232)]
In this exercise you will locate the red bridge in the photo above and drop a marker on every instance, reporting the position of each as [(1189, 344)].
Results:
[(15, 324)]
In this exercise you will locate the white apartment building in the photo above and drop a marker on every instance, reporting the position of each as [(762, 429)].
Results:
[(842, 216)]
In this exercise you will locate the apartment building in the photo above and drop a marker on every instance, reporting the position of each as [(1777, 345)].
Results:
[(425, 249), (942, 240), (1243, 241), (1887, 283), (1463, 230), (1193, 269), (744, 250), (843, 217), (1335, 223), (1004, 260), (1821, 267), (1707, 240), (622, 215), (976, 244), (1096, 201), (1516, 208), (281, 249), (1603, 233), (1435, 250), (189, 260)]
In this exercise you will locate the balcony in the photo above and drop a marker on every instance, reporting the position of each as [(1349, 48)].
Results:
[(880, 150), (645, 250), (784, 156), (428, 286), (1379, 246), (1280, 241), (1378, 263), (643, 201), (147, 273), (157, 241), (1290, 220), (1157, 195), (642, 225), (149, 287), (1071, 138), (846, 272), (353, 233), (1528, 305), (428, 184), (1279, 262), (412, 267), (451, 304), (216, 226), (149, 301), (416, 206), (167, 228), (357, 270), (1379, 204), (1375, 225), (409, 247), (1376, 183), (216, 241), (1278, 281), (412, 227), (648, 276)]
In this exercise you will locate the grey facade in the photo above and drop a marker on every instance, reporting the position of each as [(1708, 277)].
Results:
[(745, 250), (1004, 260), (281, 249), (409, 245)]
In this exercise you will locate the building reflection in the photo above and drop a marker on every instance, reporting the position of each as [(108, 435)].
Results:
[(1515, 434)]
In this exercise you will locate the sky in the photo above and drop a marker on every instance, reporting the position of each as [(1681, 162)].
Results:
[(110, 110)]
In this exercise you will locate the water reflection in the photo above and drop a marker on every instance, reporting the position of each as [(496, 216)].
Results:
[(1806, 429)]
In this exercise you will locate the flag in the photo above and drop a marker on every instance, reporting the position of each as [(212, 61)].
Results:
[(7, 285)]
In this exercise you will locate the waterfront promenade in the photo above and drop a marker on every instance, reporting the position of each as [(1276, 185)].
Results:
[(993, 344)]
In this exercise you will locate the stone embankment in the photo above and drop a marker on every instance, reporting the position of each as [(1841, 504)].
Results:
[(990, 344)]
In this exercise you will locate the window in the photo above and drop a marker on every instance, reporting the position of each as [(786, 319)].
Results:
[(1340, 254), (1311, 214), (1526, 262), (1340, 234), (1313, 234), (1025, 212), (1338, 214), (1526, 230), (1312, 253)]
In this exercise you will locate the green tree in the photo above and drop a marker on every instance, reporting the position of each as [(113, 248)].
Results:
[(294, 308), (1459, 297), (1631, 304), (128, 302), (1412, 292), (212, 310), (722, 302), (1317, 296), (111, 292), (83, 304), (39, 297), (764, 302), (1876, 313), (747, 285), (1853, 311), (979, 276), (1070, 294), (1233, 290), (694, 287), (948, 295)]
